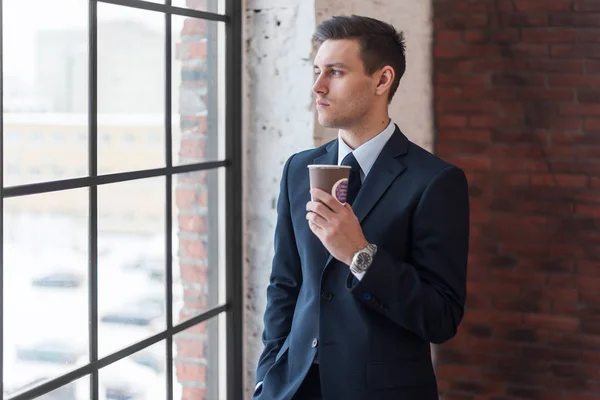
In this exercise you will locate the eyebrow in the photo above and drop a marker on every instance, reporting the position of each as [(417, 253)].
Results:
[(338, 65)]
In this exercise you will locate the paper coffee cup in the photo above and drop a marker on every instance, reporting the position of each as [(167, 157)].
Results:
[(332, 179)]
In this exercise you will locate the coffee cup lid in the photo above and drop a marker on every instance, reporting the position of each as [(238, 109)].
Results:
[(328, 166)]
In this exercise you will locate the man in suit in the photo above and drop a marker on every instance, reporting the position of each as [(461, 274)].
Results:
[(359, 291)]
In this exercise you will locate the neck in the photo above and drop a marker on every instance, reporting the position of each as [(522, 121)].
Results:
[(364, 131)]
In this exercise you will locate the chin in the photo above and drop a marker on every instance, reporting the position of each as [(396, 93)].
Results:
[(327, 122)]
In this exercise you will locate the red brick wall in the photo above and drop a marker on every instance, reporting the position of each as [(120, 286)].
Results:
[(517, 104), (191, 363)]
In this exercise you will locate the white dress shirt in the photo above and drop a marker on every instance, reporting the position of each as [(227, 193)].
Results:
[(366, 155)]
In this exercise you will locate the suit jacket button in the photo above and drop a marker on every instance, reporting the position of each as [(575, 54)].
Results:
[(327, 296), (367, 296), (315, 342)]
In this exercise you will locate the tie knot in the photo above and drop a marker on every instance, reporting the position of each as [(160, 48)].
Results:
[(350, 161)]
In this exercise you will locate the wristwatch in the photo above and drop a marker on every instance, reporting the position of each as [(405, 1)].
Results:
[(363, 259)]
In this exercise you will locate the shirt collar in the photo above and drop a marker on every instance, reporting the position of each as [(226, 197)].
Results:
[(367, 153)]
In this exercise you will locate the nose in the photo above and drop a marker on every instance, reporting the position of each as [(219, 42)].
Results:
[(319, 87)]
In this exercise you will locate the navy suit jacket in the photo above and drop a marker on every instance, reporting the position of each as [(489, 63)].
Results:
[(372, 336)]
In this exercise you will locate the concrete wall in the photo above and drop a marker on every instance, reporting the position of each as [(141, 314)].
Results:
[(279, 116), (278, 121)]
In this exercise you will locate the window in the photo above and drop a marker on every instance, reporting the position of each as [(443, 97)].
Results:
[(121, 256)]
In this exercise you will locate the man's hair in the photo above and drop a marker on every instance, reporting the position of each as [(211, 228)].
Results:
[(380, 43)]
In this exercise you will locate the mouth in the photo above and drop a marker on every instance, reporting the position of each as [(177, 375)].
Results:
[(322, 104)]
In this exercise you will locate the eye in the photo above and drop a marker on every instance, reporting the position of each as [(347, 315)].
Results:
[(336, 72), (317, 72)]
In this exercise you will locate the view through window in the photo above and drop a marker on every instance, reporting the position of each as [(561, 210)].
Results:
[(120, 200)]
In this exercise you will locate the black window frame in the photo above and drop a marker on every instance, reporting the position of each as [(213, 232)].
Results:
[(232, 164)]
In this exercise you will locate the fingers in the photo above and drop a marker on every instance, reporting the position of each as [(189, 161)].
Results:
[(327, 199), (320, 209)]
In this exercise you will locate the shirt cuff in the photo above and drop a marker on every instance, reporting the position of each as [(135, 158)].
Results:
[(359, 275)]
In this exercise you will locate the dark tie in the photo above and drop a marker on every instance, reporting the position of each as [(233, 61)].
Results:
[(354, 183)]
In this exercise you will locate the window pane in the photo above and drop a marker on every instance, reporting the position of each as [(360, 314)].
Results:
[(139, 376), (214, 6), (199, 361), (131, 101), (77, 390), (45, 285), (45, 72), (131, 264), (198, 90), (198, 262)]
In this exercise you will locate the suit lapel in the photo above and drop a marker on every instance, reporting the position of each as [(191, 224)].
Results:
[(386, 169)]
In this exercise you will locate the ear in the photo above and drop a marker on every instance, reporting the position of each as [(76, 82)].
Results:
[(386, 78)]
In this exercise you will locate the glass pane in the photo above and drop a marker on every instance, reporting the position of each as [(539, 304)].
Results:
[(198, 261), (45, 72), (214, 6), (131, 262), (45, 285), (200, 360), (140, 376), (77, 390), (198, 90), (131, 100)]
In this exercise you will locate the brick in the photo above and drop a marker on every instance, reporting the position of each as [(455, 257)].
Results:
[(462, 135), (588, 210), (191, 51), (444, 51), (461, 22), (521, 20), (589, 36), (192, 223), (452, 121), (190, 348), (548, 94), (592, 67), (588, 96), (519, 277), (556, 66), (472, 163), (575, 19), (471, 107), (448, 36), (194, 26), (592, 123), (529, 50), (189, 372), (194, 273), (193, 249), (586, 5), (193, 393), (575, 51), (551, 322), (545, 35), (460, 80), (579, 109), (186, 198), (541, 5), (574, 80)]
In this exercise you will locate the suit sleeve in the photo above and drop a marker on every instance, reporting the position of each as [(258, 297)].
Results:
[(427, 295), (284, 285)]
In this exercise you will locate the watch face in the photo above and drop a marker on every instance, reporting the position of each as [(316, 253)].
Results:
[(363, 260)]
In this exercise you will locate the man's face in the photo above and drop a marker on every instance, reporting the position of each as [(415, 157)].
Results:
[(345, 94)]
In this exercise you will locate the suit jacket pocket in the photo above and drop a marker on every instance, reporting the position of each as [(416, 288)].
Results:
[(390, 374)]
